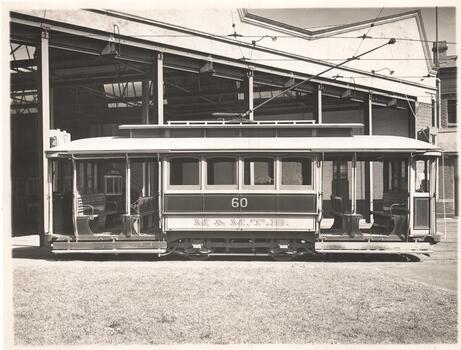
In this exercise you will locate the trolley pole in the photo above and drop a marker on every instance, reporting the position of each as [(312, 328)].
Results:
[(294, 86)]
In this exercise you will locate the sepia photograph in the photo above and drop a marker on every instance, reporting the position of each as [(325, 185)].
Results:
[(230, 175)]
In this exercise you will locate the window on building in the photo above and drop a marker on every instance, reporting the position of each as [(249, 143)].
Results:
[(296, 172), (184, 172), (221, 171), (258, 171), (452, 111)]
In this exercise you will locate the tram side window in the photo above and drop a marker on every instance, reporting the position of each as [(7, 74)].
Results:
[(422, 176), (184, 172), (112, 185), (221, 171), (395, 176), (258, 171), (87, 177), (296, 172), (62, 176), (340, 170)]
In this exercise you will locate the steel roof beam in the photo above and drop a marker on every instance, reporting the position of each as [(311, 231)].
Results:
[(150, 47)]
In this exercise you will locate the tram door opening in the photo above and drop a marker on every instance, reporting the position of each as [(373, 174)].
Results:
[(423, 196), (61, 172), (105, 196), (143, 196)]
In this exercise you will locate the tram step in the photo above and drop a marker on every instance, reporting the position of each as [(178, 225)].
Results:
[(110, 247), (372, 247)]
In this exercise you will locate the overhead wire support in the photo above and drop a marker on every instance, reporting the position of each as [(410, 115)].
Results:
[(291, 87)]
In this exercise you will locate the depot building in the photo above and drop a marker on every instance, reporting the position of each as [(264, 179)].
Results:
[(83, 73)]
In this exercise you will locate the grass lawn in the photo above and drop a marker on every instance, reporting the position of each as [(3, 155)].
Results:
[(164, 302)]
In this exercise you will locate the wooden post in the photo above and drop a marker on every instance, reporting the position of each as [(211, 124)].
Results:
[(411, 190), (51, 109), (144, 178), (319, 185), (159, 78), (149, 177), (161, 184), (319, 104), (250, 95), (369, 165), (354, 184), (74, 197), (127, 186), (50, 197), (145, 120), (45, 127), (145, 101)]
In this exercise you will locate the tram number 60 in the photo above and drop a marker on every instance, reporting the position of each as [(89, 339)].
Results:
[(242, 203)]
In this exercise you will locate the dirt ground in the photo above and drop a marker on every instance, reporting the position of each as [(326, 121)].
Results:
[(143, 300)]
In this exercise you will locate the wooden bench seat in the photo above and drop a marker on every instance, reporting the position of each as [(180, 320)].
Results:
[(92, 212), (393, 217), (348, 222)]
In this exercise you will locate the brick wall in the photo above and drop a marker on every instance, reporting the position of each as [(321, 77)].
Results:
[(447, 194), (444, 113), (423, 115)]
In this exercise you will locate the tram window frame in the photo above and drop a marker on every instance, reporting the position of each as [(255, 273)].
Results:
[(197, 186), (340, 170), (115, 188), (423, 185), (395, 176), (308, 186), (87, 177), (233, 186), (252, 185)]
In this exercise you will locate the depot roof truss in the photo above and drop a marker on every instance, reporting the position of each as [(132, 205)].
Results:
[(138, 55)]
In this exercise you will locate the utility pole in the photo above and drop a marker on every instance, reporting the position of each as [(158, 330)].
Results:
[(436, 38)]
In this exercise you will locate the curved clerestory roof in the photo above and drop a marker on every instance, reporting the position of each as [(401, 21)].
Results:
[(358, 144)]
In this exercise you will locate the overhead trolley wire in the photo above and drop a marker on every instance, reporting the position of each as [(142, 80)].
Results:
[(292, 36), (291, 87), (364, 36), (343, 58), (300, 36)]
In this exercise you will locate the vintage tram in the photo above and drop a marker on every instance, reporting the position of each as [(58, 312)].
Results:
[(278, 188)]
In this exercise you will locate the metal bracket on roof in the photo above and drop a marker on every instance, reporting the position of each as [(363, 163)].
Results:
[(45, 31), (207, 68)]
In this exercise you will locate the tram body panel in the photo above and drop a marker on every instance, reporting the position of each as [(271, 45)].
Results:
[(213, 200), (247, 192)]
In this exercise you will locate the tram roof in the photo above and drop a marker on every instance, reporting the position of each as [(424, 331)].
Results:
[(357, 143)]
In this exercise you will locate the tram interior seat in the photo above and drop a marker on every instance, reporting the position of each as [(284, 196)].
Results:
[(92, 211), (338, 211), (393, 218), (343, 219)]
